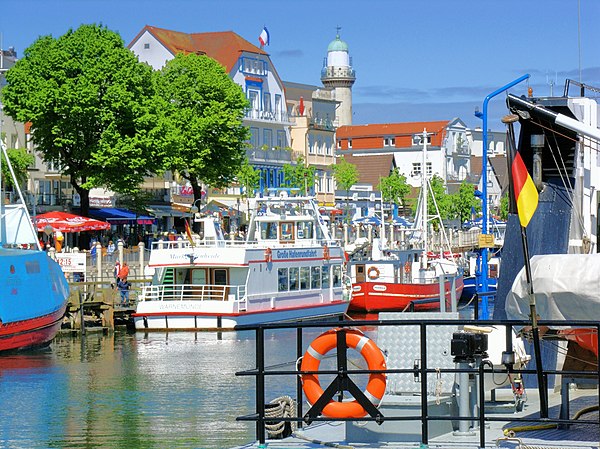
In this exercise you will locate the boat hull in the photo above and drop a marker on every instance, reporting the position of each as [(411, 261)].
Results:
[(152, 316), (470, 289), (396, 297), (29, 334)]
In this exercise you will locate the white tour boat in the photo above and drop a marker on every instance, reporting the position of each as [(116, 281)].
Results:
[(288, 268)]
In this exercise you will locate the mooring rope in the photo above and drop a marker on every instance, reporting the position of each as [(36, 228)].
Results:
[(285, 408)]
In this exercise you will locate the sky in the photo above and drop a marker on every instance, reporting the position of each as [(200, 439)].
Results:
[(418, 60)]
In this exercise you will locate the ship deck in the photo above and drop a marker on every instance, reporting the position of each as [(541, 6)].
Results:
[(574, 436)]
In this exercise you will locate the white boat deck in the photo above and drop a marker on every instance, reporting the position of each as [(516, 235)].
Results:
[(577, 436)]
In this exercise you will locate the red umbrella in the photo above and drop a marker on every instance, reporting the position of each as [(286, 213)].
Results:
[(301, 107), (65, 222)]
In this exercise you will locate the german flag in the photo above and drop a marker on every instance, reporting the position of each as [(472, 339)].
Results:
[(188, 232), (526, 194)]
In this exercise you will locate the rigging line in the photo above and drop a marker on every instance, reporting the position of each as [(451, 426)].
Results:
[(562, 170), (439, 216), (564, 352), (554, 131)]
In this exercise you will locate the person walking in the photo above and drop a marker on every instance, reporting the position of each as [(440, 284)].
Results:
[(123, 286)]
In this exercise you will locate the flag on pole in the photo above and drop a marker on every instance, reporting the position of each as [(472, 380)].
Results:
[(188, 232), (526, 194), (264, 37)]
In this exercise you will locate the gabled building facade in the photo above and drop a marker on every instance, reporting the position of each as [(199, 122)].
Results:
[(248, 66)]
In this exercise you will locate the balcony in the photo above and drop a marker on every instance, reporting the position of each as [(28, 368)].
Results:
[(267, 116), (270, 155)]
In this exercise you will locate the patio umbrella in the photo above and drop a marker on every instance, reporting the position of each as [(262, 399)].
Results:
[(374, 220), (400, 221), (65, 222)]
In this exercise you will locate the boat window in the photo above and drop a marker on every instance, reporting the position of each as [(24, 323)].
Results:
[(294, 281), (315, 277), (198, 276), (305, 230), (325, 278), (304, 278), (219, 276), (268, 231), (286, 231), (283, 279), (337, 275)]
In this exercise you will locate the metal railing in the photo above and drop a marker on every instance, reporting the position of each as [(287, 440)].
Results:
[(196, 292), (420, 371)]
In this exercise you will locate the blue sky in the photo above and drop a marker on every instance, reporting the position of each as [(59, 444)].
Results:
[(415, 60)]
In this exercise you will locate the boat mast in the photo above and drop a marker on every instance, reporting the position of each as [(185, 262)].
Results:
[(424, 217)]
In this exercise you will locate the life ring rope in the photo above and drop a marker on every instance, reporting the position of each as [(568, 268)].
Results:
[(373, 273)]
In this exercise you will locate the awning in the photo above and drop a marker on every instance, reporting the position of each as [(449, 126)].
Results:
[(121, 216), (160, 211)]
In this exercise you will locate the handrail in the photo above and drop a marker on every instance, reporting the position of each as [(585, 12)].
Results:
[(260, 372)]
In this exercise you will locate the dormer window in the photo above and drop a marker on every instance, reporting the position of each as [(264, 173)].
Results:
[(389, 141), (349, 143)]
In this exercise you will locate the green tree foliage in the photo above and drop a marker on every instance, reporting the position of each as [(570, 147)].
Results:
[(20, 160), (346, 175), (202, 113), (462, 202), (504, 205), (299, 176), (248, 178), (90, 104), (394, 188)]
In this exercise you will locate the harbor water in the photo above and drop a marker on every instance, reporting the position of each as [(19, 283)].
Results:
[(132, 390)]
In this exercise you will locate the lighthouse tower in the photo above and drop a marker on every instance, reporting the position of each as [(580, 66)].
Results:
[(337, 74)]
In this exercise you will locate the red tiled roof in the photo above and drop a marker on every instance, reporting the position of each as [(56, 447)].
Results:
[(398, 130), (223, 46)]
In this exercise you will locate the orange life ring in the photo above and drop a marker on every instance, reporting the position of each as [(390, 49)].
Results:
[(326, 252), (407, 267), (375, 361), (268, 255), (373, 273)]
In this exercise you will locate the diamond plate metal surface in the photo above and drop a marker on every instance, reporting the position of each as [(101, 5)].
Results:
[(402, 344)]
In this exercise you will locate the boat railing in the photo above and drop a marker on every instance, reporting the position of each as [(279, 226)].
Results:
[(259, 244), (425, 377), (193, 292)]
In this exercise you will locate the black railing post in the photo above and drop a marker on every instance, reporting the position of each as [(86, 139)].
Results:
[(260, 385), (299, 353), (476, 307), (424, 410)]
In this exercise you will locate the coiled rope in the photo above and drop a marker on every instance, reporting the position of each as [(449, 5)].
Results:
[(285, 407)]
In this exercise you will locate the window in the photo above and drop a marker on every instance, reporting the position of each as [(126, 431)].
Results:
[(278, 105), (287, 232), (389, 141), (305, 230), (146, 46), (268, 231), (267, 102), (325, 278), (339, 144), (282, 274), (304, 278), (315, 278), (254, 137), (428, 169), (294, 278), (418, 139), (268, 138), (416, 169), (337, 276), (281, 140), (349, 143), (253, 97)]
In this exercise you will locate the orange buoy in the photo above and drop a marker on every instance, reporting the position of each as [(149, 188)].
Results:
[(375, 361), (268, 255)]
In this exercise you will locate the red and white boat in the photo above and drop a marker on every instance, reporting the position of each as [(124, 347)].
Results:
[(287, 269), (394, 280)]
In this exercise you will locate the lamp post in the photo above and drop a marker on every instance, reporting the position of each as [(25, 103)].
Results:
[(483, 281), (194, 210)]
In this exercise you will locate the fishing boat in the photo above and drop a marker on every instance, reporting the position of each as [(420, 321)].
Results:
[(558, 144), (287, 268), (396, 279), (33, 291)]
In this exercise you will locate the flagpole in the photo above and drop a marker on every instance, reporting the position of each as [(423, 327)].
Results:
[(542, 390)]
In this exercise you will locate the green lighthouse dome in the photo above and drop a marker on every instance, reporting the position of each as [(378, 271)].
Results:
[(337, 45)]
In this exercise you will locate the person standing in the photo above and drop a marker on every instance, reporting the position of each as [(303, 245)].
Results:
[(110, 250), (124, 271), (123, 286)]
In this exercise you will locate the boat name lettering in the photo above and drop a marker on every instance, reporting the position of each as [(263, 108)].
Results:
[(196, 256), (296, 254), (176, 306)]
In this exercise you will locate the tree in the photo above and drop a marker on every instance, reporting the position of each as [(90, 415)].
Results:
[(394, 188), (90, 104), (464, 201), (20, 160), (299, 176), (249, 180), (504, 203), (202, 112), (346, 175)]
